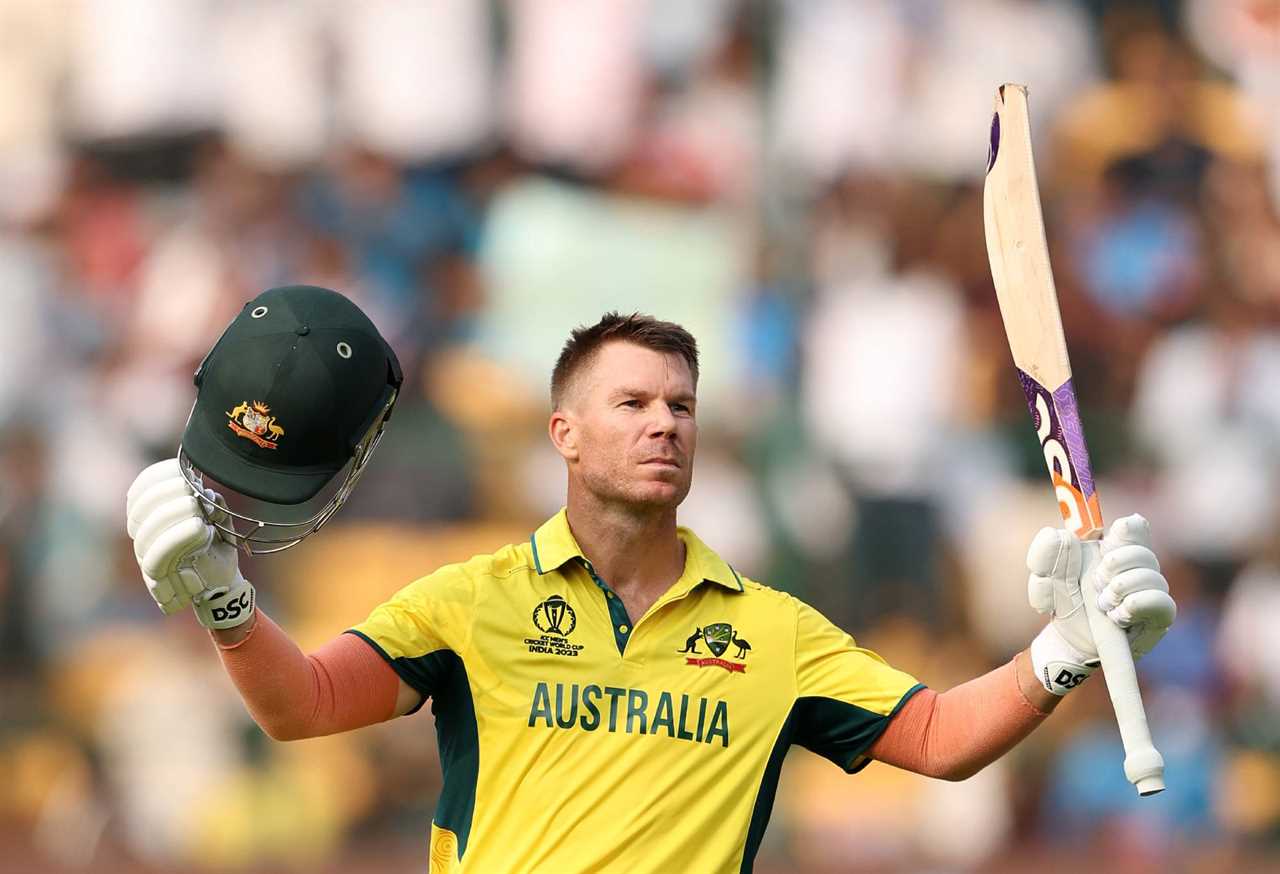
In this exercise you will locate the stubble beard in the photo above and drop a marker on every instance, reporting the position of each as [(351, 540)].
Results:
[(620, 489)]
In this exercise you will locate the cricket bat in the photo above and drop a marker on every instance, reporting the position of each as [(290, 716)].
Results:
[(1019, 258)]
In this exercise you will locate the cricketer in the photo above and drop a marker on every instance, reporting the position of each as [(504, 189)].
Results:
[(610, 694)]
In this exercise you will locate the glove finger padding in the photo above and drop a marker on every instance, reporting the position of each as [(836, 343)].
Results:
[(1040, 593), (163, 515), (1053, 557), (1054, 552), (152, 474), (164, 594), (1151, 608), (174, 532), (217, 568), (1118, 559), (1120, 572), (1118, 588), (1132, 529), (207, 575), (140, 506), (1152, 614), (174, 591), (215, 510), (182, 558), (1133, 592)]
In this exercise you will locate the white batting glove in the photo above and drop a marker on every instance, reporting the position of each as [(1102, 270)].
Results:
[(1121, 572), (184, 561)]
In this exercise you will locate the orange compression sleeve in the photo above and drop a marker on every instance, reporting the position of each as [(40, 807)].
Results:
[(957, 733), (343, 685)]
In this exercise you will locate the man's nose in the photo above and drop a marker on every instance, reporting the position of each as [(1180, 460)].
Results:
[(662, 422)]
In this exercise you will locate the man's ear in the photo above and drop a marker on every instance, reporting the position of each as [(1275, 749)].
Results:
[(564, 435)]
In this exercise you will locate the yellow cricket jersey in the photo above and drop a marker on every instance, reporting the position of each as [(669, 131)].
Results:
[(574, 738)]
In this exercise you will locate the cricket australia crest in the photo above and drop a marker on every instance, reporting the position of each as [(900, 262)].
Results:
[(253, 422), (718, 636)]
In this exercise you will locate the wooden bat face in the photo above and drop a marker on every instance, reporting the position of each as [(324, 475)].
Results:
[(1020, 268)]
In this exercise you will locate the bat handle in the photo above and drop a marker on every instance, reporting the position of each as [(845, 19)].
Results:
[(1143, 764)]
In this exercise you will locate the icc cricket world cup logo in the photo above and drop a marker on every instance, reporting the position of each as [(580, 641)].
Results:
[(555, 616)]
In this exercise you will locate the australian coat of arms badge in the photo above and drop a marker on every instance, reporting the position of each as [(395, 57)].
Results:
[(251, 420)]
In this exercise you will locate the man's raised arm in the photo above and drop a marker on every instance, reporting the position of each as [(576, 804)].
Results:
[(955, 734), (291, 695)]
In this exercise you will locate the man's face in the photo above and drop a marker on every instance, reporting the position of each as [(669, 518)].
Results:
[(627, 426)]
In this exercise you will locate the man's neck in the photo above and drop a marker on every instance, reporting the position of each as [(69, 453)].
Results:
[(637, 554)]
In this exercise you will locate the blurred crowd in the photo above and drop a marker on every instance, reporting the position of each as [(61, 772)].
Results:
[(798, 182)]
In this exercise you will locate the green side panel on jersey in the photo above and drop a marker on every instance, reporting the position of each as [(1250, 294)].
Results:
[(834, 729), (840, 731), (442, 676), (765, 794), (459, 743)]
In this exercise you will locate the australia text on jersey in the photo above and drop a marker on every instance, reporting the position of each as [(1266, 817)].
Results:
[(632, 711)]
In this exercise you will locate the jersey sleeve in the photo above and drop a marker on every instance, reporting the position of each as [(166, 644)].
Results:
[(845, 695), (423, 629)]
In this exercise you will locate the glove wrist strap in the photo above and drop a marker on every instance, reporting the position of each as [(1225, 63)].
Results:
[(1059, 666), (227, 609)]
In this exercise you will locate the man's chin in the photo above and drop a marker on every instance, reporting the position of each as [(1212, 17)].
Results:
[(659, 495), (642, 494)]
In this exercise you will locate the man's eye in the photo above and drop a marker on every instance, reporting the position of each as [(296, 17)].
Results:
[(633, 403), (681, 408)]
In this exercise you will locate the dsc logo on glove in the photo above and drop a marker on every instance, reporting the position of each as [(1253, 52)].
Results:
[(1068, 680), (234, 608)]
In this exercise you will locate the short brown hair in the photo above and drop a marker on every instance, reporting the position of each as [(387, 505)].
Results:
[(585, 341)]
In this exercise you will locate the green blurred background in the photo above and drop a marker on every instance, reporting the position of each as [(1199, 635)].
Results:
[(799, 183)]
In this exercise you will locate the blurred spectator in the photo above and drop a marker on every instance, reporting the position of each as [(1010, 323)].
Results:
[(882, 353), (886, 86), (1196, 410), (840, 85), (416, 79), (26, 276), (1250, 650), (1243, 38), (31, 164), (959, 53), (575, 81), (701, 142), (1158, 109), (118, 91), (272, 69)]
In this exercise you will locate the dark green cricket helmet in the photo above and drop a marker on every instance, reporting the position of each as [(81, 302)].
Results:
[(298, 388)]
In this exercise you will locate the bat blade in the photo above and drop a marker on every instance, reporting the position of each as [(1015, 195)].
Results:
[(1028, 301)]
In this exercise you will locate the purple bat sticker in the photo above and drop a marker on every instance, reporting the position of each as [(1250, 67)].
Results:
[(1057, 420), (995, 140)]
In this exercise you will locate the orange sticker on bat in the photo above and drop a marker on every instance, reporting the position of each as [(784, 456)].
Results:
[(1083, 516)]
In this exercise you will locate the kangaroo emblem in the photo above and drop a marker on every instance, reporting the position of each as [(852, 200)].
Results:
[(691, 645), (252, 421)]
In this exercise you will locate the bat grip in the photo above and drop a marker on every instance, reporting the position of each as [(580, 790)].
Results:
[(1143, 764)]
